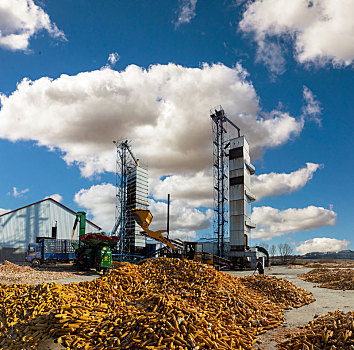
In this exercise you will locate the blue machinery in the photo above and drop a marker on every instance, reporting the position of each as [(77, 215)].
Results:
[(220, 144)]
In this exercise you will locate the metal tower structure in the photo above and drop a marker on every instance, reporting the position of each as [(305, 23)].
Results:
[(125, 161), (220, 164)]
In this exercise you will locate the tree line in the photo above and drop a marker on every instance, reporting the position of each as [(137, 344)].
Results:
[(282, 250)]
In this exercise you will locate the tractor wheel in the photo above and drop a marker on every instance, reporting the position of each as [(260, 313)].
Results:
[(36, 263)]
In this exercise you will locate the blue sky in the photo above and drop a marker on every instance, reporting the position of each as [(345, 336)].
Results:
[(77, 75)]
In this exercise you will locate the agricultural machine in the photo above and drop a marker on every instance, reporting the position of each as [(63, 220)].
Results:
[(93, 250)]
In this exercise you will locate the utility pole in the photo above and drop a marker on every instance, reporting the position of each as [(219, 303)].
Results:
[(168, 216)]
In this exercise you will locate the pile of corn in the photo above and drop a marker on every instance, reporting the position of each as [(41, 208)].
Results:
[(9, 267), (331, 278), (161, 304), (338, 264), (334, 330), (280, 291)]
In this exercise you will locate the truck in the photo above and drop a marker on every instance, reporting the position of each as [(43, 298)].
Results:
[(48, 251), (92, 250)]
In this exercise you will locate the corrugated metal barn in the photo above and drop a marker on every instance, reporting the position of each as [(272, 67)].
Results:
[(46, 218)]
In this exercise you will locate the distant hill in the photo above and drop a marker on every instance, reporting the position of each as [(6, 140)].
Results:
[(343, 254)]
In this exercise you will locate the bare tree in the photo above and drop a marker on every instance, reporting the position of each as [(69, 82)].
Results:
[(272, 252), (288, 249), (285, 250)]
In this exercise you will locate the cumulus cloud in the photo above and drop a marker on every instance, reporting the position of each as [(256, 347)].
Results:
[(322, 245), (272, 184), (182, 216), (113, 58), (312, 108), (163, 110), (273, 222), (99, 201), (57, 197), (18, 193), (321, 30), (186, 11), (182, 235), (22, 19), (270, 54), (196, 188)]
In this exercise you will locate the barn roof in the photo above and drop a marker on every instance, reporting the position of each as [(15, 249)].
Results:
[(56, 202)]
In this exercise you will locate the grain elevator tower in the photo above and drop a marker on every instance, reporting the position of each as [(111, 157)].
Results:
[(232, 193), (240, 198)]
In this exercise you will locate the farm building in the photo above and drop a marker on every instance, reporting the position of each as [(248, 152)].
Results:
[(46, 218)]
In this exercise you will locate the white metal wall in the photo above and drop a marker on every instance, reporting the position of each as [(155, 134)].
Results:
[(240, 196), (21, 227), (139, 182)]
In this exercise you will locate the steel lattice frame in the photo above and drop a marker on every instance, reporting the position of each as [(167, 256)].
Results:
[(123, 162), (220, 172), (220, 166)]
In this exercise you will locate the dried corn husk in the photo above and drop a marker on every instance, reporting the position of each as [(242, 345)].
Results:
[(331, 278), (334, 330), (278, 290), (338, 264), (161, 304)]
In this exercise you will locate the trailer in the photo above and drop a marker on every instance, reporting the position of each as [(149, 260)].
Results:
[(50, 251)]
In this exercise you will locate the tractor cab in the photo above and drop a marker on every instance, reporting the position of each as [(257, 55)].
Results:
[(194, 251)]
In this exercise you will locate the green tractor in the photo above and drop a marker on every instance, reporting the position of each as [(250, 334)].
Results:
[(94, 250)]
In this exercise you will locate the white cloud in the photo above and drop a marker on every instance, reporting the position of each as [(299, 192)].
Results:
[(186, 11), (323, 245), (22, 19), (99, 201), (322, 30), (113, 58), (57, 197), (272, 184), (18, 193), (312, 109), (183, 217), (273, 222), (270, 54), (182, 235), (196, 188), (164, 110)]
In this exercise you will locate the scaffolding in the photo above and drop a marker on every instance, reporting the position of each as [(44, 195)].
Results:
[(125, 162), (221, 185)]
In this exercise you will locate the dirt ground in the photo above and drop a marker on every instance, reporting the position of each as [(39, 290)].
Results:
[(327, 300), (62, 273)]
